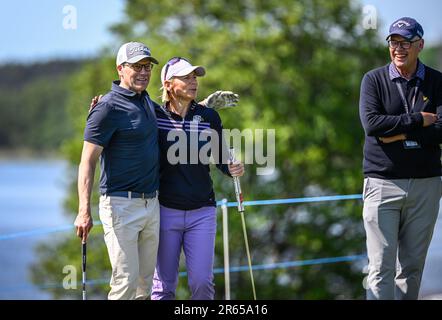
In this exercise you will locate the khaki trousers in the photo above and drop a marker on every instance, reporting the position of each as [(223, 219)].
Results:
[(131, 233)]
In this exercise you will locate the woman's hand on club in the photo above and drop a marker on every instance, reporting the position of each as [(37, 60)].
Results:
[(236, 169)]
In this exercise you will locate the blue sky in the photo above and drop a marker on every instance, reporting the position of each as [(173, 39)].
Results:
[(33, 30), (427, 12)]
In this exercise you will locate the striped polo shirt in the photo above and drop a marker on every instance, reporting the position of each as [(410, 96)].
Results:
[(185, 181)]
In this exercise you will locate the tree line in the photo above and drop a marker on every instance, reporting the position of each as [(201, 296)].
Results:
[(297, 67), (33, 109)]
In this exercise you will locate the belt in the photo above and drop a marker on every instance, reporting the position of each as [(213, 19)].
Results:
[(131, 194)]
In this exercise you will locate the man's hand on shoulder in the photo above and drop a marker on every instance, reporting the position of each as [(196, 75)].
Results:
[(94, 102)]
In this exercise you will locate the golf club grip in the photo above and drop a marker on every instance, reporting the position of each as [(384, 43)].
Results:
[(237, 184), (83, 254), (238, 194)]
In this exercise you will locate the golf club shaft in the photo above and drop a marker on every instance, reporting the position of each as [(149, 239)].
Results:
[(237, 184), (239, 199), (83, 253), (249, 260), (238, 194)]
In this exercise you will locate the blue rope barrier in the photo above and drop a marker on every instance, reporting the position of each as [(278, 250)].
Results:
[(39, 232), (279, 265), (293, 200), (290, 264), (44, 231), (35, 232)]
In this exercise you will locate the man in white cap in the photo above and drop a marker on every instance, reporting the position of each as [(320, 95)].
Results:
[(122, 131)]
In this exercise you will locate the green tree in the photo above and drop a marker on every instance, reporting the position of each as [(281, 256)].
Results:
[(297, 66), (33, 105)]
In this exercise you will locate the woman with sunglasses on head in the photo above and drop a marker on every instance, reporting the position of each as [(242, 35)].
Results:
[(187, 199)]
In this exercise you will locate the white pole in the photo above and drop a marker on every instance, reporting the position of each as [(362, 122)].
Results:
[(226, 249)]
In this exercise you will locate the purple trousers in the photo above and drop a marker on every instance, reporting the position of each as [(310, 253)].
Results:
[(194, 231)]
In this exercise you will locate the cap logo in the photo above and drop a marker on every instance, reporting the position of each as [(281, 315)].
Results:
[(401, 23), (137, 49)]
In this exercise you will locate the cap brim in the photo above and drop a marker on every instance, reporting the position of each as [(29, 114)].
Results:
[(199, 71), (403, 33), (141, 57)]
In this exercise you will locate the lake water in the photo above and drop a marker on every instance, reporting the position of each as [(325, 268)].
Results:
[(31, 198)]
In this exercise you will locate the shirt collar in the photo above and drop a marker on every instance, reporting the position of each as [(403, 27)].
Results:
[(126, 92), (193, 105), (191, 109), (394, 74)]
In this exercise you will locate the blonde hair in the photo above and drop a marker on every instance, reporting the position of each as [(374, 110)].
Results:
[(165, 96)]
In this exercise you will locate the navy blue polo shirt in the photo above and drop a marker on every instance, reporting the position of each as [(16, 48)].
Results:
[(186, 185), (124, 126), (383, 114)]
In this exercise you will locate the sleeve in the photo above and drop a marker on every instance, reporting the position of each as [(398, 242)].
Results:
[(222, 154), (431, 135), (100, 125), (373, 118)]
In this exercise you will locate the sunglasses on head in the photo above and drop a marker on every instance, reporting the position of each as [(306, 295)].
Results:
[(171, 62)]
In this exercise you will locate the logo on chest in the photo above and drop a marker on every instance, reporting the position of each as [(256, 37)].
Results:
[(197, 118)]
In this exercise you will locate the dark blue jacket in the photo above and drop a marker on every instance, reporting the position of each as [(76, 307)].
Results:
[(383, 114)]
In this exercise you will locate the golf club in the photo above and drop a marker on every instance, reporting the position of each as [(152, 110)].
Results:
[(239, 199), (83, 253)]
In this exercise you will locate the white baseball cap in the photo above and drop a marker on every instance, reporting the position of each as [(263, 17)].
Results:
[(178, 67), (133, 52)]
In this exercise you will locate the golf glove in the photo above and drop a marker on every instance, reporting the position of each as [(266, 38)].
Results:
[(221, 100)]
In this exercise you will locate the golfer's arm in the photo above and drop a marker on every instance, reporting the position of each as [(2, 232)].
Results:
[(89, 156), (373, 118), (431, 135)]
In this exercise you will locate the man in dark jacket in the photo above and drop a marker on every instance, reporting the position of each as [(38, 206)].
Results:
[(400, 106)]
